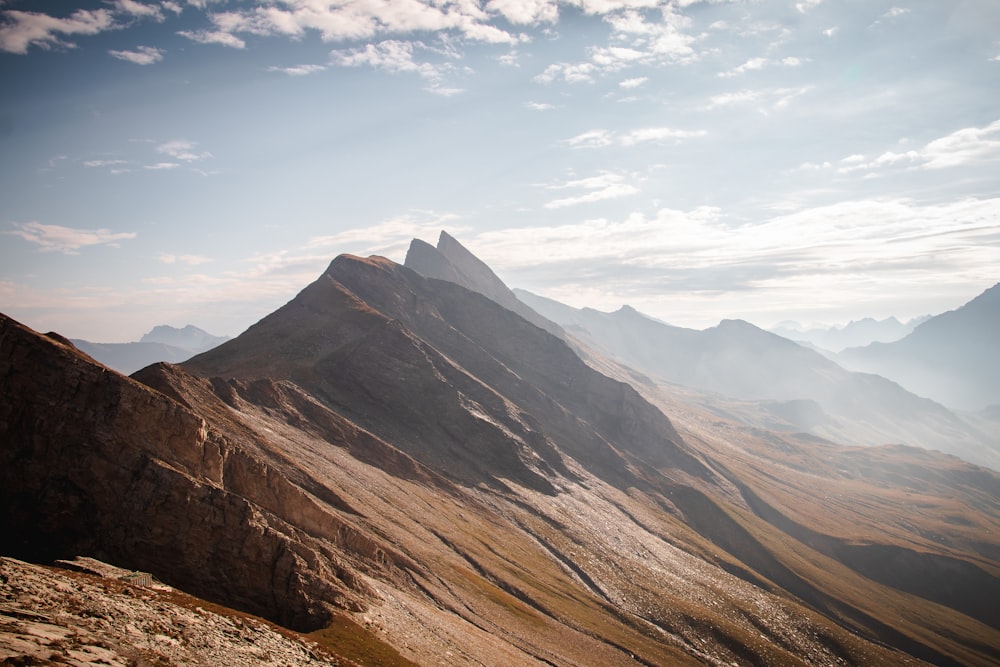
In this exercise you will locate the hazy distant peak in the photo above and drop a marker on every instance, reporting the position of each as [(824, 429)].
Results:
[(189, 337)]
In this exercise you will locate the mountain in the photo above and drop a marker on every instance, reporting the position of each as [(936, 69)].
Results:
[(162, 343), (790, 387), (408, 454), (953, 358), (188, 338), (853, 334), (452, 262)]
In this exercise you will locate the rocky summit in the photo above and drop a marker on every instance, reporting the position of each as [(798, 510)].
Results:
[(397, 450)]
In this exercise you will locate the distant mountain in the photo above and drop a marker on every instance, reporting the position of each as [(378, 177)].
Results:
[(162, 343), (853, 334), (391, 459), (797, 387), (953, 358), (188, 338)]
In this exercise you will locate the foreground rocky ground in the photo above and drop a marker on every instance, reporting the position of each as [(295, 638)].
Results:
[(51, 616)]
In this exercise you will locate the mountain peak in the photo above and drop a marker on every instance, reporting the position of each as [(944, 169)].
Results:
[(453, 262)]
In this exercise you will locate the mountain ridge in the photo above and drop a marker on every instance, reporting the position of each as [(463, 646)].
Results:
[(454, 477)]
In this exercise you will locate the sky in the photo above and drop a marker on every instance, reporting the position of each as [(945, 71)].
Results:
[(201, 161)]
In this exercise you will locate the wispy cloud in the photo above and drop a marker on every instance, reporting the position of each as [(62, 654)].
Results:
[(69, 241), (190, 260), (815, 258), (599, 138), (21, 30), (183, 150), (220, 37), (634, 82), (298, 70), (765, 99), (970, 145), (607, 185), (104, 163), (758, 63), (139, 9), (539, 106), (390, 55), (649, 43), (390, 237), (143, 55)]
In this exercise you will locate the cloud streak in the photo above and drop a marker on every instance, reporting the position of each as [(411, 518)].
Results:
[(599, 138), (66, 240), (604, 186), (142, 55)]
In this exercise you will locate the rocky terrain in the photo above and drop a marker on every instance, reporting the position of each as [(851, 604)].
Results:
[(58, 616), (409, 455)]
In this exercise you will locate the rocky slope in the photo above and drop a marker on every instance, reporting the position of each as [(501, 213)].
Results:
[(455, 478)]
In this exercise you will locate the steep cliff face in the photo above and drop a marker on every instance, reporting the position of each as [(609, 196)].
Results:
[(96, 463)]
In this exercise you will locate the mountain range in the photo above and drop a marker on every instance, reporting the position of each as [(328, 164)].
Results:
[(953, 358), (162, 343), (738, 370), (855, 333), (408, 453)]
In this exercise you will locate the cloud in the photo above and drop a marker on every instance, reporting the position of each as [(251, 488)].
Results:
[(183, 150), (633, 82), (606, 185), (162, 166), (600, 138), (104, 163), (767, 99), (758, 63), (143, 55), (539, 106), (298, 70), (397, 56), (814, 258), (650, 43), (647, 134), (569, 72), (806, 5), (967, 146), (390, 238), (190, 260), (22, 30), (138, 9), (526, 12), (214, 37), (591, 139), (363, 21), (56, 238)]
